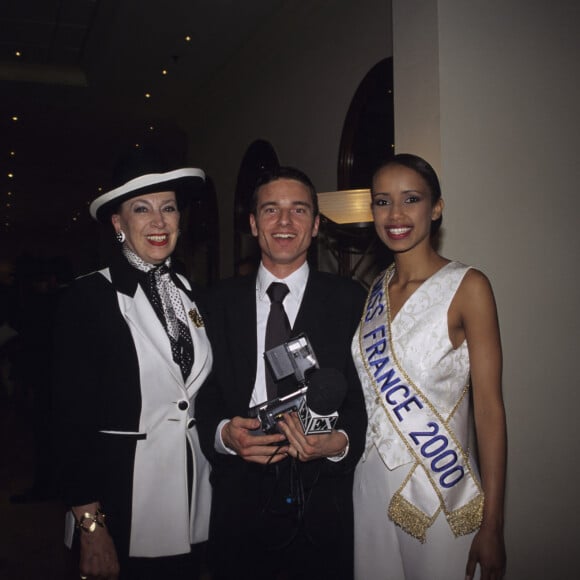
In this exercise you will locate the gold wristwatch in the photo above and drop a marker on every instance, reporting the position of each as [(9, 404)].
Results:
[(88, 522)]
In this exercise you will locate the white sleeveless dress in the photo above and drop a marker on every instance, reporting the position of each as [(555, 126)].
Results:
[(420, 335)]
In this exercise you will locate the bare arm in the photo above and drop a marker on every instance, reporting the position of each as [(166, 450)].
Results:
[(478, 315)]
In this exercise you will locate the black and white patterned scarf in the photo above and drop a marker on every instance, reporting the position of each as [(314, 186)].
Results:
[(165, 300)]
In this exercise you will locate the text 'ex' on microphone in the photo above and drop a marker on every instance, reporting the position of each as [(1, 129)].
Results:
[(326, 392)]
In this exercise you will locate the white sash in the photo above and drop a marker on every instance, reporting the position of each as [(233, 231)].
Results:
[(441, 478)]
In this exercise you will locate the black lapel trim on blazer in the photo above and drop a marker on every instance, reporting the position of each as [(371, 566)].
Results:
[(125, 278), (123, 275)]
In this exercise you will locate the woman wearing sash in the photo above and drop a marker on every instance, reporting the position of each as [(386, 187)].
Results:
[(428, 342)]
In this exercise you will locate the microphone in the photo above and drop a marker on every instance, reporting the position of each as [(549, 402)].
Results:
[(326, 392)]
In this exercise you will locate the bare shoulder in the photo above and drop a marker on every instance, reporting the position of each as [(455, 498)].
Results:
[(475, 282), (475, 292)]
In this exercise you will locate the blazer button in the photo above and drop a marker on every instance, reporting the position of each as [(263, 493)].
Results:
[(182, 405), (190, 423)]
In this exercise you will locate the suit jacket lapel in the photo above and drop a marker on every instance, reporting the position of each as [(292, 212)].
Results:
[(237, 342), (138, 312), (312, 301), (245, 319), (201, 347), (142, 319)]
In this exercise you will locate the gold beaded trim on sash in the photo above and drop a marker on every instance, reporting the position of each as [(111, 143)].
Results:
[(411, 519), (407, 516), (404, 514), (467, 518)]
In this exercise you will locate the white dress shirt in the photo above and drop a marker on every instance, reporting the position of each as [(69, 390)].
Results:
[(296, 283)]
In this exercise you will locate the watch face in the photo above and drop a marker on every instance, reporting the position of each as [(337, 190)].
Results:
[(96, 519)]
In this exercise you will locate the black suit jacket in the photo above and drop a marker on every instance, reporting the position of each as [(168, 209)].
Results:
[(247, 496)]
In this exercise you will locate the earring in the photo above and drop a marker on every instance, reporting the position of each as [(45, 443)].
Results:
[(120, 235)]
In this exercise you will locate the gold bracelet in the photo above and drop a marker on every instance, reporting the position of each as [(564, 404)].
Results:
[(96, 519)]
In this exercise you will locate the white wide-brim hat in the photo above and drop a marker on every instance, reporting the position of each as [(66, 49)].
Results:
[(178, 180)]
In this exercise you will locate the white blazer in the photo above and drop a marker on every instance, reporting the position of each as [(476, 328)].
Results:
[(160, 523)]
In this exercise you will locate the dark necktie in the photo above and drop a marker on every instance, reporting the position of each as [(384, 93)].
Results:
[(277, 328)]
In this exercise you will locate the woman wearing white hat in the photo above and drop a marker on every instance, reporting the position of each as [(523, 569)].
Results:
[(131, 354)]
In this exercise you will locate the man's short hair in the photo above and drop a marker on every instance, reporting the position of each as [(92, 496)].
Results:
[(284, 172)]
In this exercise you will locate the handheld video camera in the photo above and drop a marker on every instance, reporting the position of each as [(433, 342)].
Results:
[(295, 357)]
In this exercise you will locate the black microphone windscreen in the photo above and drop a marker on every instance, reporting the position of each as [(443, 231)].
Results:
[(326, 391)]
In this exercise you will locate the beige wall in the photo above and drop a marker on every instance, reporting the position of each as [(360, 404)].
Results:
[(291, 85), (506, 142)]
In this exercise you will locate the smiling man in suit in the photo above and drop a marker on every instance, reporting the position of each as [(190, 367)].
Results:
[(282, 502)]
